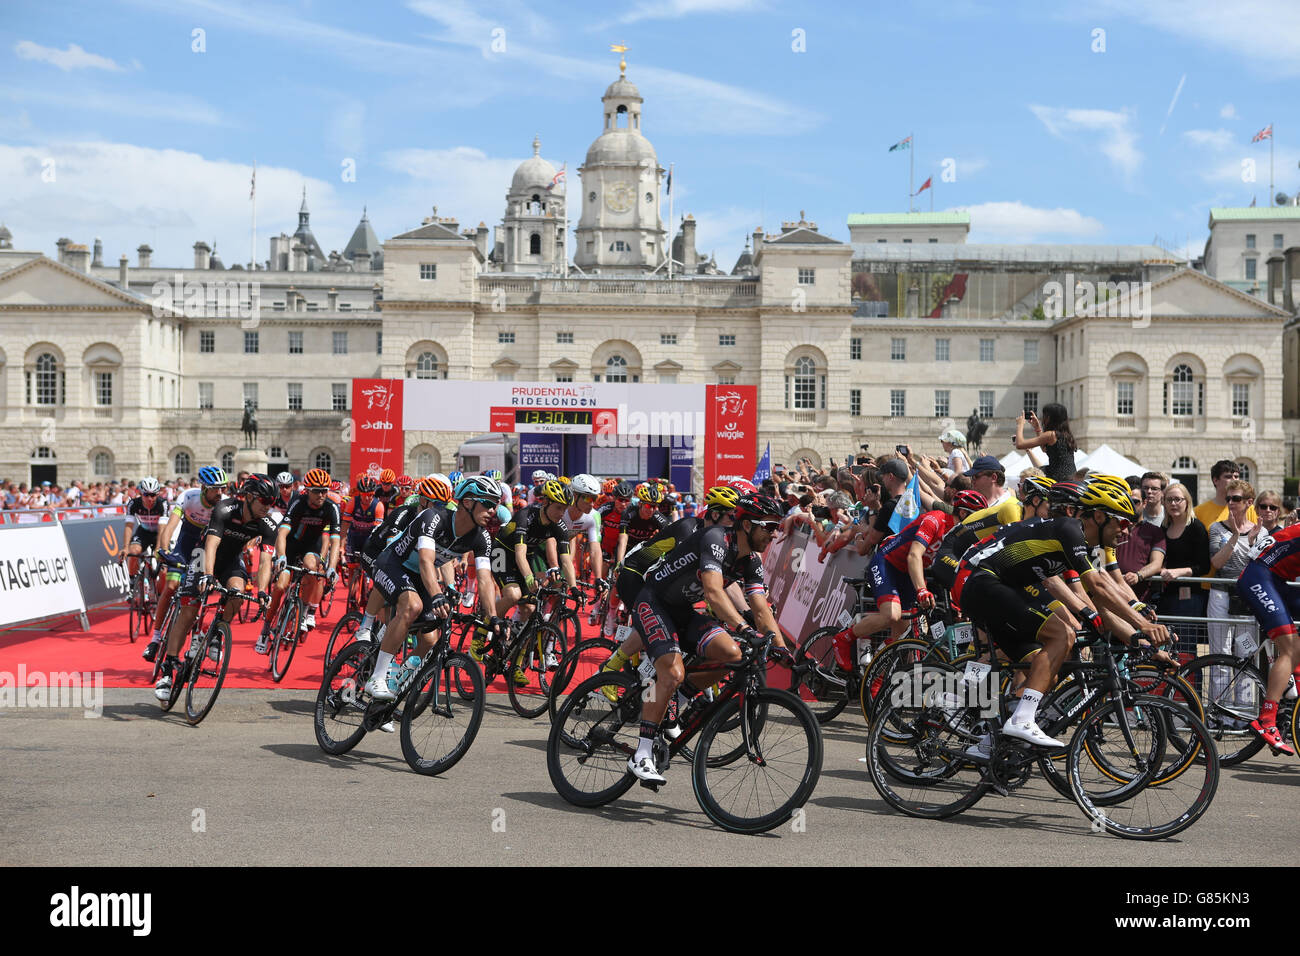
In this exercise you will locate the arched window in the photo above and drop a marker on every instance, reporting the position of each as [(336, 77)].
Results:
[(45, 381), (805, 380), (535, 245), (1247, 473), (102, 464), (181, 463), (426, 366), (43, 452), (1185, 463), (805, 383), (423, 459), (1181, 394), (616, 368), (228, 460), (323, 460)]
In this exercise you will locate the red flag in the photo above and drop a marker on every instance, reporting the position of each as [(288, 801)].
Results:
[(924, 186), (1265, 133)]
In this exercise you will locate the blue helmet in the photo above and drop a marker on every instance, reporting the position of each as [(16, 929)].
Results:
[(493, 473), (455, 478), (212, 476), (479, 486), (503, 514)]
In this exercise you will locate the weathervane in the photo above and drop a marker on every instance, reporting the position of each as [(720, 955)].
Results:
[(622, 60)]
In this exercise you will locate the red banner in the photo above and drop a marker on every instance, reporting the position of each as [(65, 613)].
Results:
[(378, 441), (731, 431)]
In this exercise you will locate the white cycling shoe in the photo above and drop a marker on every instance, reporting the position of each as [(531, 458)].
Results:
[(644, 769), (362, 636), (378, 689), (163, 689), (1031, 733), (388, 728)]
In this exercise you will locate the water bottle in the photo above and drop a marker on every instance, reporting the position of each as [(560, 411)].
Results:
[(407, 673)]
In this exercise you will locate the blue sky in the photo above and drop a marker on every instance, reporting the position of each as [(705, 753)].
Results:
[(1051, 140)]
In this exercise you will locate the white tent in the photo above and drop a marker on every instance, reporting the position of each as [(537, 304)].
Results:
[(1107, 461), (1014, 462)]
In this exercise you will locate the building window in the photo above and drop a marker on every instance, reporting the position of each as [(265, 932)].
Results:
[(103, 464), (506, 375), (1185, 463), (250, 343), (564, 377), (295, 343), (855, 349), (250, 394), (103, 388), (426, 366), (807, 276), (339, 397), (1250, 240), (1030, 402), (323, 460), (855, 401), (534, 245), (46, 381), (207, 341), (986, 403), (726, 339), (1250, 268), (276, 453), (379, 343), (805, 383), (563, 338), (505, 338), (181, 463), (1245, 470), (228, 460), (1277, 240), (340, 343), (934, 239), (897, 350), (1179, 397), (428, 270), (942, 350), (986, 350), (1240, 401), (897, 403), (942, 402), (295, 396), (726, 378), (1031, 351), (667, 378), (205, 394), (616, 369), (667, 338)]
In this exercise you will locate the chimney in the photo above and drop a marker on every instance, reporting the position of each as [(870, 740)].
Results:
[(481, 239), (448, 222), (98, 259), (78, 257), (144, 253), (332, 297), (1274, 266), (202, 253), (758, 239), (62, 245), (689, 259), (912, 306), (361, 261), (1290, 272), (299, 257), (122, 281)]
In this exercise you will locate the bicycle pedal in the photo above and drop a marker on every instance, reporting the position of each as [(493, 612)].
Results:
[(651, 785)]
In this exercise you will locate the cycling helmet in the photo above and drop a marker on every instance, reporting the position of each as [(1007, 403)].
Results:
[(564, 479), (148, 486), (1119, 484), (970, 501), (405, 481), (503, 515), (336, 487), (1032, 486), (721, 496), (650, 492), (210, 476), (285, 478), (541, 476), (387, 476), (1064, 493), (258, 486), (480, 488), (366, 485), (622, 491), (556, 492), (454, 478), (493, 473), (318, 479), (742, 485), (584, 484), (759, 508), (1101, 493), (433, 489)]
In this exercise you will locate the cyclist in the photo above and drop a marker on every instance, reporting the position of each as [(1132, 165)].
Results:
[(180, 540), (142, 517), (284, 495), (611, 516), (361, 514), (310, 527), (897, 572), (1003, 592), (580, 519), (642, 522), (540, 478), (664, 614), (406, 572), (388, 491), (234, 523)]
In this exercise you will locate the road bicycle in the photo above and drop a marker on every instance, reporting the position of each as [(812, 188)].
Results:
[(204, 664), (285, 630), (142, 604)]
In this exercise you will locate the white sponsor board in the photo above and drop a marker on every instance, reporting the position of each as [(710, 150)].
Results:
[(37, 578)]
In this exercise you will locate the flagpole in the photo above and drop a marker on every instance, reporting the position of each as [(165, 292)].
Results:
[(1272, 135), (564, 243), (671, 223), (252, 237), (911, 167)]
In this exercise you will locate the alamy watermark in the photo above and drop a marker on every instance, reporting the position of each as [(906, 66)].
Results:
[(60, 689), (950, 690), (227, 298), (1115, 300)]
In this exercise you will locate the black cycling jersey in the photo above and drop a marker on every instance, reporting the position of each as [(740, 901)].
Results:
[(641, 529), (645, 554), (227, 523), (147, 519), (435, 527), (394, 522), (675, 580), (1029, 552), (527, 527), (306, 524)]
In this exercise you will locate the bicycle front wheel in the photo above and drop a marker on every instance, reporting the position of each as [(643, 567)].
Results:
[(595, 732), (916, 756), (437, 725), (820, 683), (778, 772), (342, 635), (528, 679), (340, 709), (208, 675), (285, 639), (585, 659)]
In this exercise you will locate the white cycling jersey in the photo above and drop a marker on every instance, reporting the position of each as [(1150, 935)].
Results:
[(588, 524)]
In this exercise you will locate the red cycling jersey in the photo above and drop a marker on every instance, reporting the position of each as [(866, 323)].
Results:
[(929, 529)]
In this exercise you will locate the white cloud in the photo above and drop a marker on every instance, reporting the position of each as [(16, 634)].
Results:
[(1218, 139), (722, 232), (675, 9), (1228, 112), (1017, 222), (1110, 131), (462, 181), (73, 58)]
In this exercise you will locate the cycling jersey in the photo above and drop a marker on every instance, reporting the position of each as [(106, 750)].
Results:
[(586, 525), (1030, 552), (630, 577), (393, 523), (146, 519), (638, 528), (307, 524), (611, 516), (963, 536), (228, 524), (361, 519), (929, 529), (435, 528), (195, 513), (527, 527), (1279, 551), (675, 579)]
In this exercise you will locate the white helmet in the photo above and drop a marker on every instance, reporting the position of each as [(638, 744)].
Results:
[(148, 486), (584, 484), (542, 476), (441, 477), (284, 478)]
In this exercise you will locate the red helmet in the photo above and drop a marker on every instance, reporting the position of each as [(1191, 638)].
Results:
[(336, 487), (969, 501), (405, 481), (742, 485)]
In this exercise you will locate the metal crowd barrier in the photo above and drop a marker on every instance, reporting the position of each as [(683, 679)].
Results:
[(48, 515)]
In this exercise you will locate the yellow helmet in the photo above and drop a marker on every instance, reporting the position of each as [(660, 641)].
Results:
[(1035, 485), (556, 491), (650, 492), (565, 479), (1102, 493), (720, 496)]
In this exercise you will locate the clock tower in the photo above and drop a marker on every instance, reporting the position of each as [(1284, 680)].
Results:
[(620, 231)]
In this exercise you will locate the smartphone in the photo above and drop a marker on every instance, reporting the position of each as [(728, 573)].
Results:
[(902, 450)]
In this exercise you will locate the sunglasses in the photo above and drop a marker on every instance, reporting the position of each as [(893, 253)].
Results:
[(1235, 498), (769, 526), (1259, 507), (266, 501)]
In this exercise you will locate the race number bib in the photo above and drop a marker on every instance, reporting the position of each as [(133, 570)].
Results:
[(1247, 643), (975, 672), (647, 668), (623, 632), (962, 633)]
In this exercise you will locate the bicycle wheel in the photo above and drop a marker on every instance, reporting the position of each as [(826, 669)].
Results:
[(924, 772), (592, 739), (342, 634), (207, 675), (529, 656), (819, 681), (901, 655), (437, 725), (284, 639), (340, 709), (1149, 812), (134, 609), (463, 643), (779, 771), (162, 648), (585, 659), (1231, 691)]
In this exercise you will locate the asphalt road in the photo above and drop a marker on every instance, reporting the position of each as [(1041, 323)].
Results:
[(250, 786)]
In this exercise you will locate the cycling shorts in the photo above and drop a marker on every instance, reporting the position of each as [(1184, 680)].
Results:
[(233, 567), (1274, 604), (663, 633), (1009, 615), (889, 584)]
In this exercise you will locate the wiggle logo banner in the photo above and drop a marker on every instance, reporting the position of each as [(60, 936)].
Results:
[(731, 431)]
